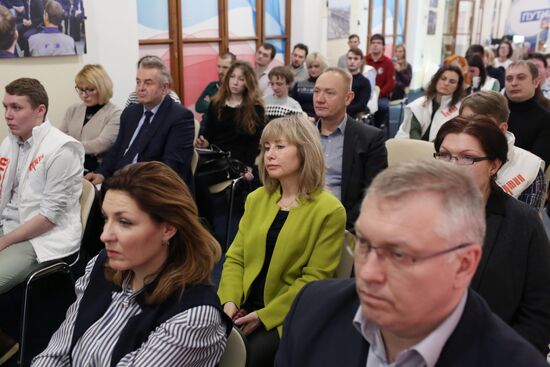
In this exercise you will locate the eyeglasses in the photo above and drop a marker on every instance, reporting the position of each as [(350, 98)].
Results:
[(396, 257), (461, 160), (86, 91)]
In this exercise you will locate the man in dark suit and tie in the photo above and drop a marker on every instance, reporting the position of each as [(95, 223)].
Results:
[(419, 238), (156, 129), (354, 152)]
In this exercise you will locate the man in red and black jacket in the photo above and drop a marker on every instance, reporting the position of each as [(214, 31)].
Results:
[(385, 76)]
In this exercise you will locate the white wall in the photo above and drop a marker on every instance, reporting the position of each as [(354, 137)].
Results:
[(111, 33), (309, 24), (423, 50)]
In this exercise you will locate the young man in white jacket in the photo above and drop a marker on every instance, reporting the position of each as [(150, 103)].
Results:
[(40, 185)]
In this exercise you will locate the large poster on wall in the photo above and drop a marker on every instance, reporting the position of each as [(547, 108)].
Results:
[(530, 19), (32, 28), (338, 18)]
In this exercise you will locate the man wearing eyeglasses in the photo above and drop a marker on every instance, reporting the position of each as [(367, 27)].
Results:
[(419, 238)]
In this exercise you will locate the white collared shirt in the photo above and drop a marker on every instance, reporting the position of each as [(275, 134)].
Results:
[(424, 354)]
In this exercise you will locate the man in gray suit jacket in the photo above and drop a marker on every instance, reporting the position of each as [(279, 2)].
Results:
[(354, 152)]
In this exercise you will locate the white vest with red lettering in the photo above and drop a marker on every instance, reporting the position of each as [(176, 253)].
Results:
[(422, 110), (63, 239), (520, 170)]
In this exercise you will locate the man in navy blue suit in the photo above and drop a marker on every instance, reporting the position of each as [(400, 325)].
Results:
[(419, 238), (156, 129)]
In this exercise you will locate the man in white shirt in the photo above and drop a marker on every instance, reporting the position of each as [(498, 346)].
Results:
[(264, 55), (419, 238), (41, 181)]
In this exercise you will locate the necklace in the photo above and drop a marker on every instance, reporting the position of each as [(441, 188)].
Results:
[(290, 203)]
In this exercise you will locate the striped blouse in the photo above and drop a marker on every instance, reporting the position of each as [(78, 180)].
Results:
[(195, 337)]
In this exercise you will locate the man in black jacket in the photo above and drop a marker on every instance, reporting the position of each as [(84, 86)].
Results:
[(354, 153), (419, 238), (529, 115)]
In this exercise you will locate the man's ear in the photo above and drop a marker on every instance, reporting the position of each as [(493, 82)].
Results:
[(350, 95), (468, 261)]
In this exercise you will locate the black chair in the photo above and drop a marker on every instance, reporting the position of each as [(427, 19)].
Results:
[(62, 267)]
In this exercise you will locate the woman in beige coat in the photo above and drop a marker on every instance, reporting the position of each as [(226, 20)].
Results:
[(95, 121)]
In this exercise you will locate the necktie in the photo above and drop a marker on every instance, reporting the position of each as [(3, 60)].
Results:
[(134, 147)]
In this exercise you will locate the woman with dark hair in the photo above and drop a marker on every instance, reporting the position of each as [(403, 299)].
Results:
[(235, 117), (480, 79), (504, 54), (146, 300), (514, 272), (95, 121), (291, 234), (425, 115)]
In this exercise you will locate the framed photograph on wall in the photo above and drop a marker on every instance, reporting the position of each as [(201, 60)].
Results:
[(33, 28)]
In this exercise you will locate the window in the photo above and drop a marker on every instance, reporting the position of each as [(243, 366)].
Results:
[(458, 32), (389, 18), (189, 35)]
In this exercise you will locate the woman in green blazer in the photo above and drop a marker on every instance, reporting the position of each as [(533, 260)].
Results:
[(291, 234)]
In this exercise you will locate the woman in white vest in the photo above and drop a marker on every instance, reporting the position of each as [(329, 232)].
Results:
[(480, 79), (425, 115), (522, 176)]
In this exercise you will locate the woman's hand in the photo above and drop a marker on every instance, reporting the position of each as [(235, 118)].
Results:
[(201, 142), (248, 323), (247, 174), (230, 309)]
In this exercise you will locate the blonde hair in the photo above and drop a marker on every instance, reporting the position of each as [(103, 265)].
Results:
[(490, 55), (401, 65), (94, 75), (318, 58), (297, 130)]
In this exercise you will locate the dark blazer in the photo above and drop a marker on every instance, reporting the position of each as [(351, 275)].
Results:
[(318, 331), (169, 139), (363, 158), (514, 272)]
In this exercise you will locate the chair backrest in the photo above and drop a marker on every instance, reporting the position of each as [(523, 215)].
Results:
[(194, 161), (197, 129), (400, 150), (346, 261), (86, 201), (235, 350)]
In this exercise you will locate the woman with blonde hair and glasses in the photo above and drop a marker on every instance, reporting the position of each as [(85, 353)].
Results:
[(95, 121), (291, 234), (147, 299)]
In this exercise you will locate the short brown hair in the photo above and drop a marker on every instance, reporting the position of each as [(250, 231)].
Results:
[(55, 12), (296, 129), (30, 88), (7, 28), (282, 72), (162, 194), (94, 75), (487, 103)]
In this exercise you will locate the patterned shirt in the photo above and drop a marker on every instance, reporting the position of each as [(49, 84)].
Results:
[(194, 337)]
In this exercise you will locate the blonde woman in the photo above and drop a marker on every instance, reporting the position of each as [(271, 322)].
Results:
[(403, 73), (94, 121), (303, 89), (290, 235)]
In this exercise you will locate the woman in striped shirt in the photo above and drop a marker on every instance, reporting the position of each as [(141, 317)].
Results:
[(146, 300)]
